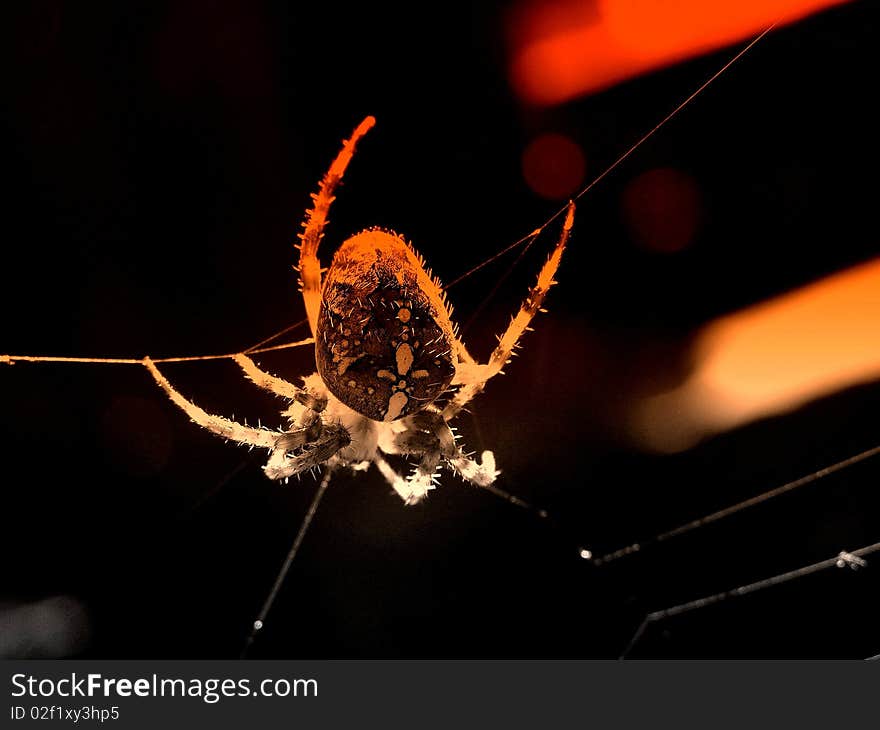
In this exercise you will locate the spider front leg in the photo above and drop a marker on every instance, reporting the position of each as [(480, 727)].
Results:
[(398, 483), (292, 452), (294, 455), (411, 438), (316, 219), (428, 436), (279, 386), (307, 419), (473, 376), (218, 425), (482, 473)]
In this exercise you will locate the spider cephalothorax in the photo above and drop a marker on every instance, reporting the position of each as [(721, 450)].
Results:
[(386, 349)]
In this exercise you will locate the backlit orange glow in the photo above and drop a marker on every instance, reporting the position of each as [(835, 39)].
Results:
[(771, 358), (562, 49), (553, 166)]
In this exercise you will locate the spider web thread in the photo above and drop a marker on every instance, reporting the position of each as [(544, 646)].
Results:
[(851, 559)]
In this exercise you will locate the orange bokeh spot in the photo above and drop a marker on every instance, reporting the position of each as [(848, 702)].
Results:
[(662, 209), (564, 48), (553, 166), (770, 358)]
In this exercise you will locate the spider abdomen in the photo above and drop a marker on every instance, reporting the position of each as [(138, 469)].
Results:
[(384, 340)]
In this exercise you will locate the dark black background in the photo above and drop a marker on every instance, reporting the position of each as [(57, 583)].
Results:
[(157, 158)]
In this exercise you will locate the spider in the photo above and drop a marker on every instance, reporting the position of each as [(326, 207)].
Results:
[(386, 350)]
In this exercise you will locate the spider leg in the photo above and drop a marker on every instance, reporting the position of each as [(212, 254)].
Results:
[(262, 437), (428, 430), (482, 473), (429, 436), (292, 451), (296, 453), (473, 376), (398, 483), (424, 476), (279, 386), (316, 219), (417, 440), (462, 352)]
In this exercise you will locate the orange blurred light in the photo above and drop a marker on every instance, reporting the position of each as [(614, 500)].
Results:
[(771, 358), (553, 166), (564, 48), (661, 207)]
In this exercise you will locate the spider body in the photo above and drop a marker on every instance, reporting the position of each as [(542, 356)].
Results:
[(386, 350), (385, 339)]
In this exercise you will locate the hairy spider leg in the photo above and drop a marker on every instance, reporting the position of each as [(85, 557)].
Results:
[(474, 379), (415, 440), (316, 218), (309, 419), (397, 482), (314, 446), (279, 386), (224, 427), (429, 437), (482, 473)]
